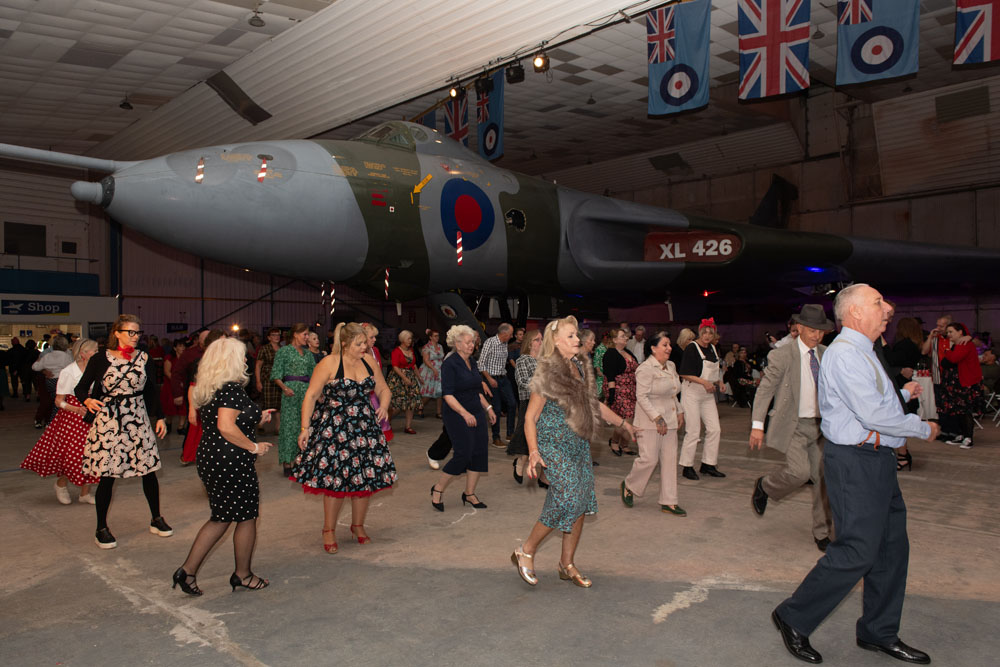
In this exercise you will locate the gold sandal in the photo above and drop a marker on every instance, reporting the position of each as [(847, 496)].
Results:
[(578, 579), (527, 572)]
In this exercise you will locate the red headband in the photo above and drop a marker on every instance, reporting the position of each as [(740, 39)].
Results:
[(710, 322)]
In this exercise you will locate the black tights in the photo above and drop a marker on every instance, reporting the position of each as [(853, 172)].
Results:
[(102, 497), (244, 538)]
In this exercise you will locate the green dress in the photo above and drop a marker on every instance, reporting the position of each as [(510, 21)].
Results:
[(598, 365), (289, 363)]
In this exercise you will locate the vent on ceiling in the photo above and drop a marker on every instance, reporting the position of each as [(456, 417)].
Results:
[(963, 104), (670, 162)]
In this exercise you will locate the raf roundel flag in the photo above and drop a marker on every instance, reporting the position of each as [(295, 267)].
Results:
[(677, 39), (489, 119), (882, 47)]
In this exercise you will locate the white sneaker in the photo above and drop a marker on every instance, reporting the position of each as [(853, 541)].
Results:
[(62, 494), (966, 444), (435, 465), (957, 440), (87, 498)]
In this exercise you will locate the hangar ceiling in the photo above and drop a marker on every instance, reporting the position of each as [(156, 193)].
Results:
[(335, 67)]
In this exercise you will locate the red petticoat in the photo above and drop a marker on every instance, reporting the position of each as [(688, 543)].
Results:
[(60, 449), (191, 440), (338, 494)]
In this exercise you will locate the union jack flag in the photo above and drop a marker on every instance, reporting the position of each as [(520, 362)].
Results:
[(977, 31), (774, 47), (853, 12), (483, 108), (660, 35), (456, 119)]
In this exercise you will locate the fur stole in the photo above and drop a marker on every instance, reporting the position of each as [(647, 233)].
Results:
[(559, 380)]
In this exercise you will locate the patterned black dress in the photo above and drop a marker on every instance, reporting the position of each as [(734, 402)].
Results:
[(228, 471), (347, 453)]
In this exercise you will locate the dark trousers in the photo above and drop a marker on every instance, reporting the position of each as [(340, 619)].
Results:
[(870, 544), (503, 396), (439, 450)]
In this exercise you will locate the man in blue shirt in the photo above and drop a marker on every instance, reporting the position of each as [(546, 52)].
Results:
[(863, 423)]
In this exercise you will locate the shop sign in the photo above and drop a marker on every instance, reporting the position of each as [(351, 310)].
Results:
[(29, 307)]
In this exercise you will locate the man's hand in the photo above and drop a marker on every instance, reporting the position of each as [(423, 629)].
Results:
[(914, 388), (179, 400), (935, 431), (756, 438), (491, 381)]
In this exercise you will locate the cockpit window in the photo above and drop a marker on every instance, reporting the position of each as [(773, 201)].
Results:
[(389, 134), (414, 137)]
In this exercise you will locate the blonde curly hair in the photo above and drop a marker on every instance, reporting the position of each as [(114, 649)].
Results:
[(224, 361), (549, 340), (458, 331)]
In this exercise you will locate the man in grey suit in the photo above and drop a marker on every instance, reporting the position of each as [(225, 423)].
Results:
[(791, 379)]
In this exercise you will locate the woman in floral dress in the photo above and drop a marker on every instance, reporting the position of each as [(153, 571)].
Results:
[(293, 364), (344, 453), (619, 370), (430, 372), (560, 421), (403, 382), (117, 387)]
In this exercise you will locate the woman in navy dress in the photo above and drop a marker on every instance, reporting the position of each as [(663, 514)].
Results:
[(344, 452), (559, 424), (226, 456), (465, 416)]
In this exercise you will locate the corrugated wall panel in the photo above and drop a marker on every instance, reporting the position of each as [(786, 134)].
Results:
[(772, 145), (917, 152), (354, 58)]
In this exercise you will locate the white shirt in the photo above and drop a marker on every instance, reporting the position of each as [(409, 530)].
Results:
[(69, 377), (637, 348), (784, 341), (53, 361), (808, 405)]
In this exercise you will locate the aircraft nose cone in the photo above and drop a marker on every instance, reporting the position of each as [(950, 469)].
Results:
[(92, 193)]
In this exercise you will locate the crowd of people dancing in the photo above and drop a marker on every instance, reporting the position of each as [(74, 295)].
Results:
[(556, 385)]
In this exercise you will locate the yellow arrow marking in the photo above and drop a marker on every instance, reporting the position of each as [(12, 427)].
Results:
[(420, 186)]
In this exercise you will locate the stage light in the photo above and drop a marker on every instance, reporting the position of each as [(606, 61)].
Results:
[(814, 269), (515, 73), (255, 20), (540, 62), (236, 328), (457, 91), (125, 104), (484, 85)]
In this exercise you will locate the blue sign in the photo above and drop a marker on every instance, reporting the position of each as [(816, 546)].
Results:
[(29, 307)]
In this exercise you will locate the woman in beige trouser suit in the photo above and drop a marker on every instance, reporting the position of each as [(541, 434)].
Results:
[(658, 415)]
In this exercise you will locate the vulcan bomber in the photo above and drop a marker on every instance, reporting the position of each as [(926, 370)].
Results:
[(404, 201)]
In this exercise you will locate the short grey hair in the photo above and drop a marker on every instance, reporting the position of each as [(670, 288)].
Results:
[(504, 328), (845, 299), (458, 331)]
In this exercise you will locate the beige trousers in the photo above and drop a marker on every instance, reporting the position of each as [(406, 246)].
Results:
[(804, 461), (699, 407), (655, 449)]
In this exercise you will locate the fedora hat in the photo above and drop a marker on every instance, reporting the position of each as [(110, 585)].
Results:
[(813, 316)]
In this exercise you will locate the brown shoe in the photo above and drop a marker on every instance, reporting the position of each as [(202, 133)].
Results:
[(497, 442)]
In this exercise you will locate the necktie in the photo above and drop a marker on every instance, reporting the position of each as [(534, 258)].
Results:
[(814, 366)]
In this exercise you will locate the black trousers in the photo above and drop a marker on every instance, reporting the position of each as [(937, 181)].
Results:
[(441, 447), (870, 544)]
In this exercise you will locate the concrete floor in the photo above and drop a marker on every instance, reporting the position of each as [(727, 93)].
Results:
[(438, 589)]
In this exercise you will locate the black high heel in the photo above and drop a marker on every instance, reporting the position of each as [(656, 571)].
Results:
[(181, 579), (616, 452), (545, 485), (438, 506), (517, 478), (904, 460), (236, 582), (479, 505)]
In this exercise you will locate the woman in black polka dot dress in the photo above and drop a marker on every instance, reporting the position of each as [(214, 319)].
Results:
[(226, 456)]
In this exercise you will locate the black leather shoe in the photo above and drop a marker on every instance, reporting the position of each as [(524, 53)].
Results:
[(796, 642), (759, 497), (899, 651), (711, 471), (822, 544), (689, 473)]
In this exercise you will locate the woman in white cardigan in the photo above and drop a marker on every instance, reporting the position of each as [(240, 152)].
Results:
[(658, 415)]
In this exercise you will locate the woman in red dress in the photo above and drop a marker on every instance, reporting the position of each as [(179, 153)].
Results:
[(60, 449), (166, 398)]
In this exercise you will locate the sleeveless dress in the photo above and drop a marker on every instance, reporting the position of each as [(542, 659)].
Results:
[(404, 396), (347, 454), (228, 471), (430, 386), (121, 442), (569, 469), (624, 404)]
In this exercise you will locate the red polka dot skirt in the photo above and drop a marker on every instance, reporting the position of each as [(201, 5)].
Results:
[(60, 449)]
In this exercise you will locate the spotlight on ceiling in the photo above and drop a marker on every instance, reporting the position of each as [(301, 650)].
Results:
[(484, 85), (540, 62), (457, 90), (255, 20), (515, 73), (125, 104), (591, 100), (819, 34)]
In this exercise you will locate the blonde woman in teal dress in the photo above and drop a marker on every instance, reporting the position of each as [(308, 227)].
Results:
[(560, 422), (293, 365)]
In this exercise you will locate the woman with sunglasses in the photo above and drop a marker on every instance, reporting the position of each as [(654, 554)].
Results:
[(118, 388)]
